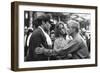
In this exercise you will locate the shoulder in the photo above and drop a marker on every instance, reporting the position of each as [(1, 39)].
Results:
[(36, 32), (57, 40), (80, 40)]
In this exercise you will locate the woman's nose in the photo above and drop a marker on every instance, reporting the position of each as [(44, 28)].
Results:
[(49, 24)]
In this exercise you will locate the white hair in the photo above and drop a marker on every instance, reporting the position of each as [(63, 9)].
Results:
[(74, 24)]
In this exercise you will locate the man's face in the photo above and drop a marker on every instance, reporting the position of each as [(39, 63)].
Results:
[(53, 36), (70, 30), (47, 26), (83, 31)]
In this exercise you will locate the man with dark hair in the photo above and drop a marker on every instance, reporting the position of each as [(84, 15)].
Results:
[(77, 47), (39, 38)]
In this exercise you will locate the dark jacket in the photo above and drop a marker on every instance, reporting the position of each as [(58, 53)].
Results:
[(36, 40)]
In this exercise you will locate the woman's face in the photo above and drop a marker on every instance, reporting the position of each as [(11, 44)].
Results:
[(62, 29)]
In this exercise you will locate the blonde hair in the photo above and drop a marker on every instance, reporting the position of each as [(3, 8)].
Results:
[(57, 31), (74, 24)]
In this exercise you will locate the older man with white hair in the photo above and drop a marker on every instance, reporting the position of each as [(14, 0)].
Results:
[(77, 47)]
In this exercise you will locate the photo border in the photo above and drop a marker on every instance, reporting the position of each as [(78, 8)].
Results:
[(15, 34)]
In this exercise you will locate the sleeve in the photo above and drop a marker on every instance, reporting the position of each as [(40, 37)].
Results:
[(56, 45), (72, 46)]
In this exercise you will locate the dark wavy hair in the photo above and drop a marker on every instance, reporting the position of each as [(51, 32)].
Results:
[(57, 29), (38, 21)]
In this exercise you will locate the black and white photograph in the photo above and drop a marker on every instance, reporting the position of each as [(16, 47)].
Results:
[(56, 36), (53, 36)]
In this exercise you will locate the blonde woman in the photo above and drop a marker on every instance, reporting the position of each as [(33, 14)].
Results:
[(60, 41)]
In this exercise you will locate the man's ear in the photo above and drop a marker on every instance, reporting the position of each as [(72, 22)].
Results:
[(43, 23), (74, 29)]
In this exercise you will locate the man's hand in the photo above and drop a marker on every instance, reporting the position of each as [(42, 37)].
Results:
[(48, 52), (39, 50)]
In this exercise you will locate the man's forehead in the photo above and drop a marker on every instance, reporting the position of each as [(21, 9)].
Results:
[(73, 23)]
